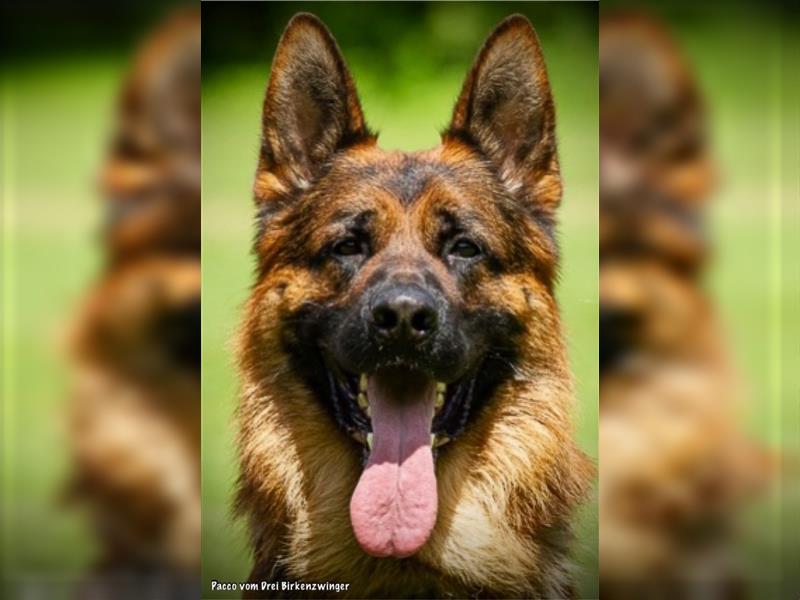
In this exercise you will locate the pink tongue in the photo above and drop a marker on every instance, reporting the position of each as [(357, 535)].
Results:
[(393, 508)]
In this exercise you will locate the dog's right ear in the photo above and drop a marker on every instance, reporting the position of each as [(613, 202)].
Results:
[(311, 109)]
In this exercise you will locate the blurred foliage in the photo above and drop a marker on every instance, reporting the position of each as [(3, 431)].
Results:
[(49, 28), (402, 42)]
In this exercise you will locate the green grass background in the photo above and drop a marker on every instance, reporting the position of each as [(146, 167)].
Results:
[(747, 66), (55, 116)]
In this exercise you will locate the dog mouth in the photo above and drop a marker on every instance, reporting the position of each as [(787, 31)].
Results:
[(401, 416), (352, 403)]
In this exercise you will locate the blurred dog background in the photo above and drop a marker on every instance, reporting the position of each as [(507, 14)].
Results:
[(135, 417), (122, 456), (678, 466)]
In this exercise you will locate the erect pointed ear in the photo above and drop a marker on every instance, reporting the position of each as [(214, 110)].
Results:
[(311, 109), (506, 110)]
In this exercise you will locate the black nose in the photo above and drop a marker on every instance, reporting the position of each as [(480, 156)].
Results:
[(404, 313), (617, 334)]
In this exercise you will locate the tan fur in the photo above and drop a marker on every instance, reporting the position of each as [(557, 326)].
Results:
[(520, 449)]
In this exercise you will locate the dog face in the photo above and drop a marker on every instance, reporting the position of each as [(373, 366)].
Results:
[(400, 287)]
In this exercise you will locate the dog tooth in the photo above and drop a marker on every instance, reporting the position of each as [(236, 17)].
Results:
[(369, 440), (433, 440), (441, 440), (439, 402), (362, 382), (363, 403), (441, 387)]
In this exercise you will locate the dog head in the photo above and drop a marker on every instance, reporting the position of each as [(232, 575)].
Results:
[(401, 286)]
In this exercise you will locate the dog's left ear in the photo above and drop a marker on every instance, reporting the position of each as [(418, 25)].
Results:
[(311, 108), (506, 110)]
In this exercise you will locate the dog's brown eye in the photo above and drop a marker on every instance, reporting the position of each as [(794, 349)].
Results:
[(464, 248), (348, 247)]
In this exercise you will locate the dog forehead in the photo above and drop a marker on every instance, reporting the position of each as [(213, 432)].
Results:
[(404, 176), (408, 180)]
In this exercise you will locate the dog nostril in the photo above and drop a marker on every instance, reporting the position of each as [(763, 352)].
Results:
[(384, 318), (423, 321), (404, 314)]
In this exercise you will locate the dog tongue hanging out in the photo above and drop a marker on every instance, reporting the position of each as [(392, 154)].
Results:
[(404, 425), (393, 509)]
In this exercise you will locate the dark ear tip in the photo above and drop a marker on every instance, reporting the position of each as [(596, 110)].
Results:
[(302, 29), (306, 18), (511, 30), (517, 19), (307, 21), (513, 27), (514, 22)]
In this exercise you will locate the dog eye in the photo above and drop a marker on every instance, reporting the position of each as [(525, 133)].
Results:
[(464, 248), (348, 247)]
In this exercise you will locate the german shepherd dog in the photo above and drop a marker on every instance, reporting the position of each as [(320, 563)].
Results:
[(675, 464), (134, 416), (405, 412)]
